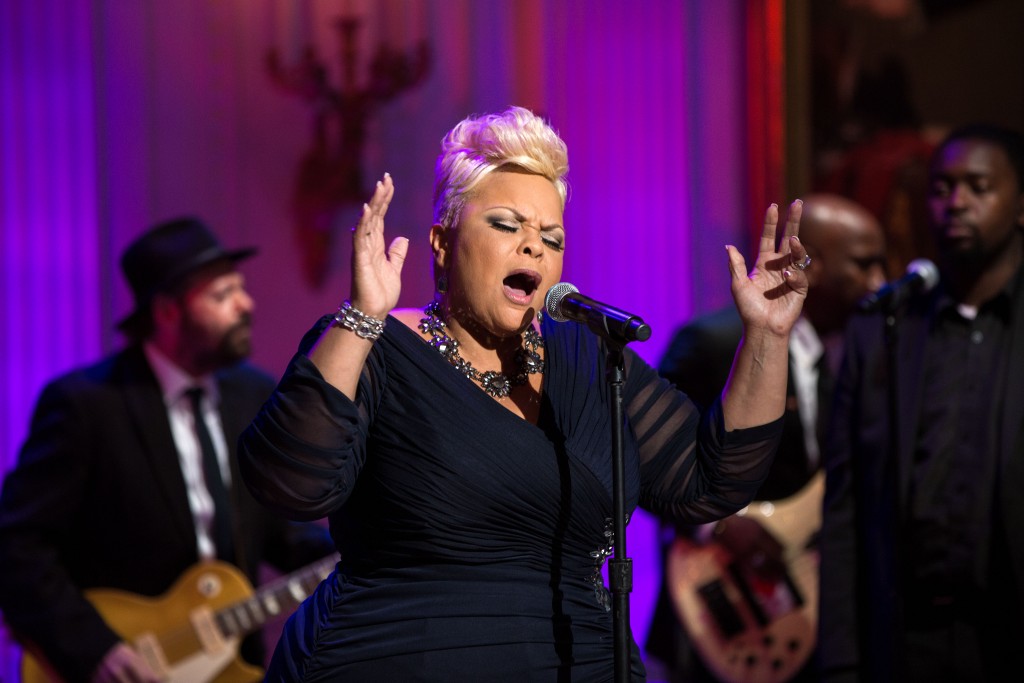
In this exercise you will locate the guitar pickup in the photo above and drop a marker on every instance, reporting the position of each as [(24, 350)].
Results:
[(149, 648), (206, 630), (721, 608)]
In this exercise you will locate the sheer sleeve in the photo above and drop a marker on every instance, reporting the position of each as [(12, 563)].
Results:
[(691, 469), (302, 452)]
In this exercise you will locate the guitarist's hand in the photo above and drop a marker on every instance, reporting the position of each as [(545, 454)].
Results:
[(752, 546), (122, 664)]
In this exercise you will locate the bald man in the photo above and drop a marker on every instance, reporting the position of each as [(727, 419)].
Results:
[(847, 249)]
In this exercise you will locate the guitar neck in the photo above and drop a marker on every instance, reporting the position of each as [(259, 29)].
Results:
[(275, 598)]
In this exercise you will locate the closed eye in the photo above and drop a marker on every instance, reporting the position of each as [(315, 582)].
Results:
[(552, 241), (939, 188), (549, 237)]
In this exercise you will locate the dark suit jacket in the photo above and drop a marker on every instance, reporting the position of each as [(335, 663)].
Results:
[(98, 499), (867, 490), (698, 361)]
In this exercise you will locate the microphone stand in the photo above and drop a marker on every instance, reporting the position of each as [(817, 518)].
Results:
[(617, 328), (620, 567), (892, 474)]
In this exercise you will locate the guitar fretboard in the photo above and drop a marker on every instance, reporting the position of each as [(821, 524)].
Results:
[(275, 598)]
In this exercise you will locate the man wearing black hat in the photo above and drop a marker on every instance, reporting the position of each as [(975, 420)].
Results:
[(128, 476)]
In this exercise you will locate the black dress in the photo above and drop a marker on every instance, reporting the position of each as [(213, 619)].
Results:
[(472, 540)]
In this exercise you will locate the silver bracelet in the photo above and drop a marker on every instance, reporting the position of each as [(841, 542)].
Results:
[(353, 319)]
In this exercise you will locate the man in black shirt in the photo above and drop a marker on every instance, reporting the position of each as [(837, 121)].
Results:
[(923, 530)]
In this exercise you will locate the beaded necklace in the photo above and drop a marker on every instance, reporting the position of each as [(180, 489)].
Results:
[(495, 384)]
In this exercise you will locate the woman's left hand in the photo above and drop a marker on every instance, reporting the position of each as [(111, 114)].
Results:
[(769, 299)]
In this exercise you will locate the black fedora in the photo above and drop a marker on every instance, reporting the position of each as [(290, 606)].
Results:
[(164, 255)]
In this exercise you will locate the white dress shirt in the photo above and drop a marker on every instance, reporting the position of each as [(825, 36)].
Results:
[(805, 350), (174, 382)]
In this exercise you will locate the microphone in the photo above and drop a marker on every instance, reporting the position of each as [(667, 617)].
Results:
[(922, 276), (564, 302)]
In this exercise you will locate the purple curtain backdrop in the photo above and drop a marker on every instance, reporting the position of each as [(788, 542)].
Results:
[(115, 115), (51, 241)]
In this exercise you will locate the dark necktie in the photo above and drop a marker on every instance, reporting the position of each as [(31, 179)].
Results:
[(214, 483)]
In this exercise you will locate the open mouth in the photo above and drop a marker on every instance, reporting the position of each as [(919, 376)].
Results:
[(520, 285)]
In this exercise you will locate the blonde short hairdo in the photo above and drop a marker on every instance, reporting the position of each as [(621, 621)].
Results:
[(515, 139)]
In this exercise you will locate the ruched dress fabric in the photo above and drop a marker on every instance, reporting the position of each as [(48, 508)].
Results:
[(471, 540)]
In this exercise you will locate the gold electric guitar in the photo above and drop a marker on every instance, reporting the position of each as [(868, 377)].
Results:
[(747, 629), (191, 633)]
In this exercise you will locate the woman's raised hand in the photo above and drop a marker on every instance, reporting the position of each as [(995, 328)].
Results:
[(771, 296), (376, 274)]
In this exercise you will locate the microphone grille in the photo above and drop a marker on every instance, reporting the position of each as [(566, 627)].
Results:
[(553, 300), (928, 272)]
